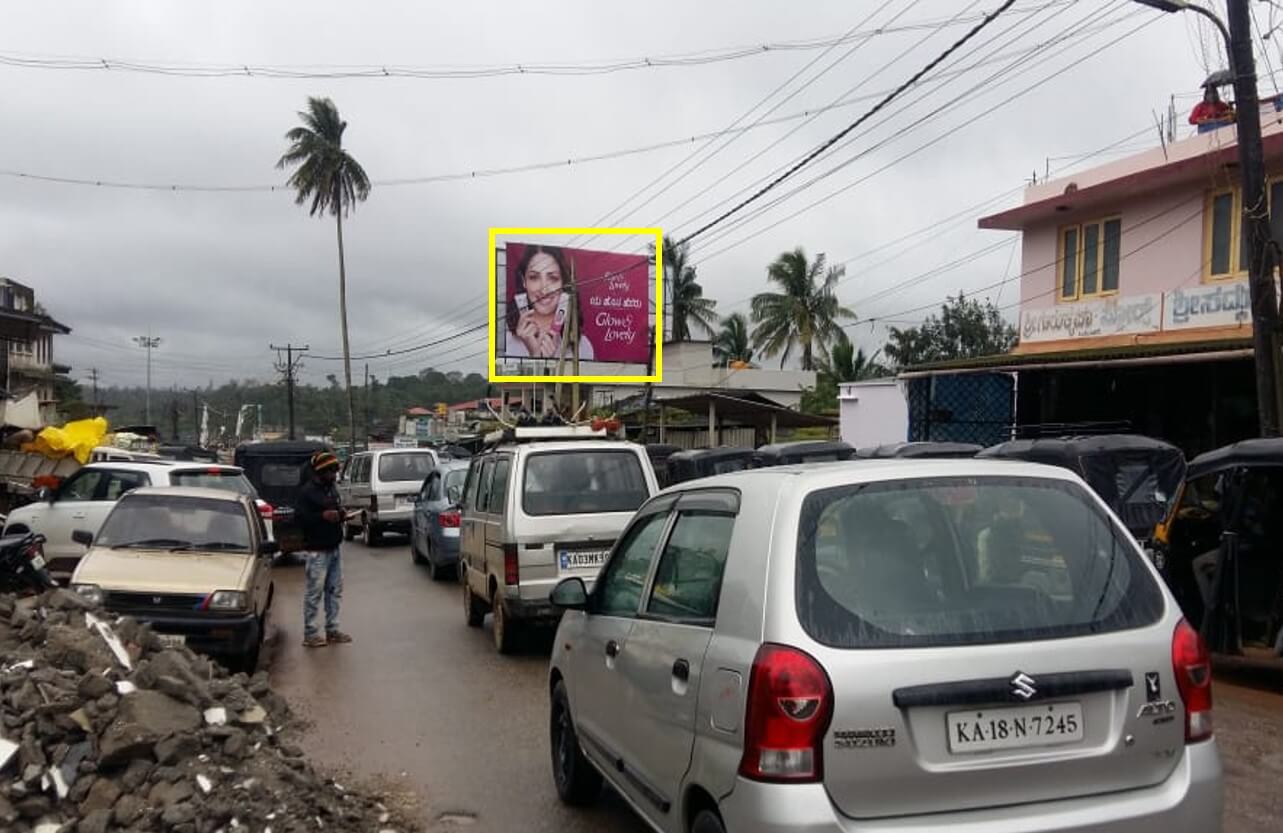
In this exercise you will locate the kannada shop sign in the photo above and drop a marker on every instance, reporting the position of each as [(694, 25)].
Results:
[(1214, 305), (1089, 319), (613, 293)]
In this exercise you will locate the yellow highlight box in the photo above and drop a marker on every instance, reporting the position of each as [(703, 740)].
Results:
[(658, 373)]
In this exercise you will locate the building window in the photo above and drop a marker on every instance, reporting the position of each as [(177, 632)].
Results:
[(1090, 259), (1225, 253)]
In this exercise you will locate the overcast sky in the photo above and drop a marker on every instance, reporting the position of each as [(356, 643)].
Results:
[(219, 276)]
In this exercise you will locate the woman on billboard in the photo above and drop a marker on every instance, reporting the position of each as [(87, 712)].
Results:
[(539, 306)]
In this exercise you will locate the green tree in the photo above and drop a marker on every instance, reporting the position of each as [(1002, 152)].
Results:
[(843, 362), (804, 315), (327, 175), (732, 342), (689, 308), (965, 329)]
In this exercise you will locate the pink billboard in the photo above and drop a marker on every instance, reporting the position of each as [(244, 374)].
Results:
[(613, 290)]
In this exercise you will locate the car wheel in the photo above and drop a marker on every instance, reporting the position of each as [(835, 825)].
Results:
[(503, 630), (472, 611), (578, 781), (349, 532), (707, 821), (415, 555), (371, 535)]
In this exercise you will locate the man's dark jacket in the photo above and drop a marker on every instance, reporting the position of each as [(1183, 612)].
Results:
[(313, 500)]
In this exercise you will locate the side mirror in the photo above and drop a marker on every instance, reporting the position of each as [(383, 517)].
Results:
[(269, 548), (83, 536), (570, 594)]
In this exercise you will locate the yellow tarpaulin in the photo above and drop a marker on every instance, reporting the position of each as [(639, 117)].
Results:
[(75, 439)]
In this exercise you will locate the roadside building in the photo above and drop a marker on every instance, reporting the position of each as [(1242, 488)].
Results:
[(27, 358), (1134, 305)]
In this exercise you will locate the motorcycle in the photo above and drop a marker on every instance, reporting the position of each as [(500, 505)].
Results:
[(22, 565)]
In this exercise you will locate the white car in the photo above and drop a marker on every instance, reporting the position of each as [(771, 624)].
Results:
[(83, 500)]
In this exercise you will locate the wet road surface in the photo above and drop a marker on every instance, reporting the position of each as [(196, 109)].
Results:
[(420, 693), (422, 701)]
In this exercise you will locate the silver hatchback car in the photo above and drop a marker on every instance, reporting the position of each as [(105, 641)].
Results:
[(909, 646)]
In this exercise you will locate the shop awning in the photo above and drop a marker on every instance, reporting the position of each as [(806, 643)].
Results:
[(1179, 353)]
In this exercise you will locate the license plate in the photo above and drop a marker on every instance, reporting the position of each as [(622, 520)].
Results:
[(38, 562), (582, 559), (172, 640), (1017, 727)]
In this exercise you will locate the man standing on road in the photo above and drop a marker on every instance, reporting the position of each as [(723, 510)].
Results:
[(320, 514)]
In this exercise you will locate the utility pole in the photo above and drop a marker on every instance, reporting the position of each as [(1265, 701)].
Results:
[(173, 414), (650, 369), (367, 404), (195, 419), (93, 376), (289, 367), (148, 343)]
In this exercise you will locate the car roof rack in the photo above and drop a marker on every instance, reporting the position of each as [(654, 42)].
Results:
[(546, 433)]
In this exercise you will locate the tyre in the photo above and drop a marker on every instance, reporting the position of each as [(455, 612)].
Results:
[(707, 821), (416, 556), (503, 630), (371, 534), (472, 610), (248, 661), (578, 781)]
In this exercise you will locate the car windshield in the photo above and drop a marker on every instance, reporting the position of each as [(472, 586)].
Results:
[(405, 466), (965, 561), (582, 482), (454, 480), (226, 480), (176, 522)]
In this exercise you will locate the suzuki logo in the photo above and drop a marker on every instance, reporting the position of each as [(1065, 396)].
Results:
[(1022, 686)]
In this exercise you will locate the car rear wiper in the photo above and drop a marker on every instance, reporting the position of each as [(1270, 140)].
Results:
[(151, 542)]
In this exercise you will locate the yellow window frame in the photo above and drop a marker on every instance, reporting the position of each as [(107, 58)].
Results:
[(1236, 269), (1080, 233)]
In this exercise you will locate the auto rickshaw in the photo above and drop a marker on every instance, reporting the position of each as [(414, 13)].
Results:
[(277, 471), (1221, 548), (921, 451), (706, 462), (1137, 476), (805, 451), (659, 454)]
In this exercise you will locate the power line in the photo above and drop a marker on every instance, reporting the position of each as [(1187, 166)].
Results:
[(402, 352)]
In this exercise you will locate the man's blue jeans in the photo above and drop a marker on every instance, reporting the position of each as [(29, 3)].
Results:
[(324, 577)]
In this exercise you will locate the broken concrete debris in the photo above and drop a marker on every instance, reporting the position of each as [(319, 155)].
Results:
[(105, 730)]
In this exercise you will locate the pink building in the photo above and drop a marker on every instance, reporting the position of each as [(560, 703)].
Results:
[(1134, 304)]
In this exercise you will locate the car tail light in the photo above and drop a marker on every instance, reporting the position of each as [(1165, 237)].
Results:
[(1192, 665), (449, 520), (790, 703), (510, 572), (33, 552), (266, 510)]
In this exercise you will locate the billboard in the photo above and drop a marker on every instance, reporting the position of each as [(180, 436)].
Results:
[(612, 290)]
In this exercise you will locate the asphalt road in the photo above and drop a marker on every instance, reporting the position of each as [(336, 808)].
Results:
[(422, 703)]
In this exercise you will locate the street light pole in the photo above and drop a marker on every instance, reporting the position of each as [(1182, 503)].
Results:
[(1256, 209), (148, 342)]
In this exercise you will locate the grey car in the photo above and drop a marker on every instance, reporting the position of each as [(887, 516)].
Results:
[(434, 524), (937, 645)]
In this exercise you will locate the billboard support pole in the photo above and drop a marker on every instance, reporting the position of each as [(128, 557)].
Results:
[(574, 341)]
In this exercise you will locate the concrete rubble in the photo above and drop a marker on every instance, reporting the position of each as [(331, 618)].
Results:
[(105, 730)]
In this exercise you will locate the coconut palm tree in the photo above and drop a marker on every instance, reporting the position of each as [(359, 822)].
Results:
[(334, 182), (804, 315), (689, 306), (731, 344), (843, 362)]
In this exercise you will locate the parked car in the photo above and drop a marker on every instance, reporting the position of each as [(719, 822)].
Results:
[(1137, 476), (537, 507), (277, 470), (706, 462), (434, 526), (84, 499), (804, 451), (194, 563), (1227, 521), (902, 644), (379, 488)]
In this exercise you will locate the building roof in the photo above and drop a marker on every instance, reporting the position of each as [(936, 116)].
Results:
[(418, 412), (753, 409), (475, 404), (1217, 349)]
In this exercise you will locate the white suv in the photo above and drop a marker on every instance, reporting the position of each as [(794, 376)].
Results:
[(900, 645), (85, 498)]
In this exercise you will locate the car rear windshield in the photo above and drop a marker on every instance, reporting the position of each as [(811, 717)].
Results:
[(405, 467), (583, 482), (282, 474), (225, 479), (176, 522), (965, 561)]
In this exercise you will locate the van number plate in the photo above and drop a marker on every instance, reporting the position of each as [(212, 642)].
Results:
[(578, 559), (990, 730), (172, 640)]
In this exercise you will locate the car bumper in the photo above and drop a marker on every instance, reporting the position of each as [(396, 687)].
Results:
[(532, 610), (394, 518), (222, 635), (445, 550), (1189, 801)]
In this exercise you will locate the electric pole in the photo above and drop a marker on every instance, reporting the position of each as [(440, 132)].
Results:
[(1256, 217), (367, 405), (173, 414), (148, 343), (289, 367), (93, 376), (195, 420)]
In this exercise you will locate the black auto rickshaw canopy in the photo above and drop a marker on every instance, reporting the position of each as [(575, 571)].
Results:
[(803, 451), (1220, 547), (1137, 476), (277, 471), (921, 451), (659, 454), (706, 462)]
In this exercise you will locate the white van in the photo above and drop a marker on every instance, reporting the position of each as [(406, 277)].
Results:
[(380, 488)]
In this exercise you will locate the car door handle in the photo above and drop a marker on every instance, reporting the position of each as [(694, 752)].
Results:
[(79, 516), (612, 649), (682, 670)]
